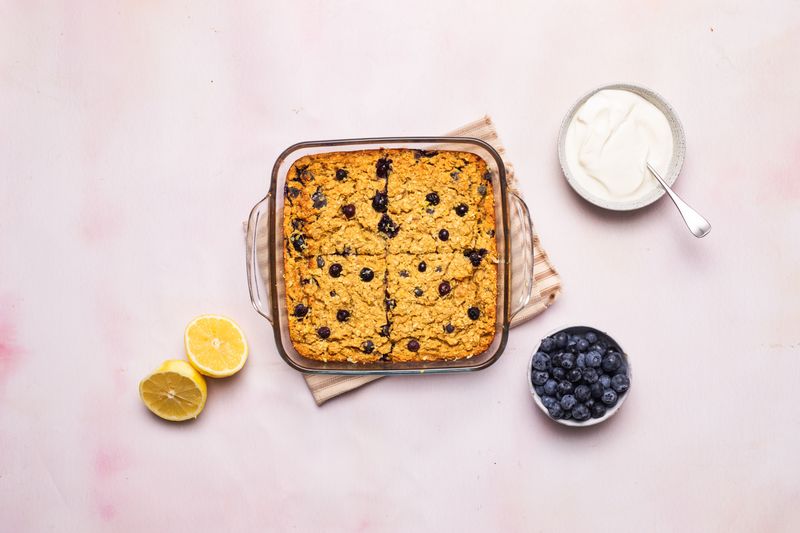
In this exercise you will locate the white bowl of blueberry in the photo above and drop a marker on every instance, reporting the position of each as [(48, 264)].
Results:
[(579, 376)]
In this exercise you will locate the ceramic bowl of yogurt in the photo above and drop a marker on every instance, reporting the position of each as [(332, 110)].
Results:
[(606, 140)]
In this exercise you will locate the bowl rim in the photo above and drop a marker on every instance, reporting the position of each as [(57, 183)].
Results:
[(678, 148), (592, 421)]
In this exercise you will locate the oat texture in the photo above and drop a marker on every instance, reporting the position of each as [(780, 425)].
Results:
[(390, 255)]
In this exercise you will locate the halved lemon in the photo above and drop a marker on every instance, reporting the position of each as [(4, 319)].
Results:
[(174, 391), (215, 345)]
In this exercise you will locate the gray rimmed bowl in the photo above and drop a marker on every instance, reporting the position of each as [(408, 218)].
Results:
[(608, 339), (675, 164)]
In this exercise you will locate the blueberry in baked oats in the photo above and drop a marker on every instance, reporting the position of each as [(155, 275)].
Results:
[(461, 209), (383, 167), (432, 198), (380, 202), (387, 226), (319, 199), (473, 313), (368, 347), (324, 332), (335, 270), (349, 211), (341, 174), (342, 315), (300, 311), (366, 274), (413, 345), (444, 288), (422, 266), (444, 234)]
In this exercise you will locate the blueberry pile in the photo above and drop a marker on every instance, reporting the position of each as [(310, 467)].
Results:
[(579, 376)]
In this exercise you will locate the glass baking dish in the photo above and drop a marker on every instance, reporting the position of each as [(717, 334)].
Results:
[(265, 256)]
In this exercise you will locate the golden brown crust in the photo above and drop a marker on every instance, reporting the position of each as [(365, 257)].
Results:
[(398, 313)]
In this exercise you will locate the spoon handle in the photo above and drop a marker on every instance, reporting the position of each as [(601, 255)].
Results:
[(698, 225)]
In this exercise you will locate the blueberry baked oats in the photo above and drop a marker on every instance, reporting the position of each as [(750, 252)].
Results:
[(390, 255)]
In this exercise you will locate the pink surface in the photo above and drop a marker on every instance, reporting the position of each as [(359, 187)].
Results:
[(136, 136)]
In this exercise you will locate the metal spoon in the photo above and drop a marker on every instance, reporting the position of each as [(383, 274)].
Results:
[(698, 225)]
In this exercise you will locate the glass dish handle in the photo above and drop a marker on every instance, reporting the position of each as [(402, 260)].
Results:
[(521, 256), (259, 291)]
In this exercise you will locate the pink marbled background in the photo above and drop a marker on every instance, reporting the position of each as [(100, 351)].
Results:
[(134, 138)]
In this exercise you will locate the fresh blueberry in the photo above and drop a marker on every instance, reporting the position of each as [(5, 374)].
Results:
[(413, 345), (444, 234), (599, 347), (335, 270), (341, 174), (541, 361), (620, 383), (366, 274), (444, 288), (611, 362), (594, 359), (609, 397), (550, 387), (559, 373), (300, 310), (590, 375), (539, 378), (568, 401), (598, 410), (422, 267), (548, 401), (574, 375), (605, 381), (557, 358), (449, 328), (473, 313), (368, 347), (461, 210), (568, 361), (342, 315), (383, 167), (580, 360), (538, 389), (561, 340), (591, 337), (547, 345), (582, 392), (349, 211), (555, 411), (432, 198), (583, 345), (380, 202), (565, 387), (324, 332), (580, 412), (596, 390)]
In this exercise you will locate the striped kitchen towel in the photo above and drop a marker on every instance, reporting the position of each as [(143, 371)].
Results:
[(546, 281)]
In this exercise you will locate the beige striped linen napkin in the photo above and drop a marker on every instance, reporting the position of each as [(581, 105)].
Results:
[(546, 281)]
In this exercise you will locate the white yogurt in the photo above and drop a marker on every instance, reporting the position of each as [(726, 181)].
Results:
[(609, 141)]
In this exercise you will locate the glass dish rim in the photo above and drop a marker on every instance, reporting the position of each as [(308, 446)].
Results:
[(506, 273)]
